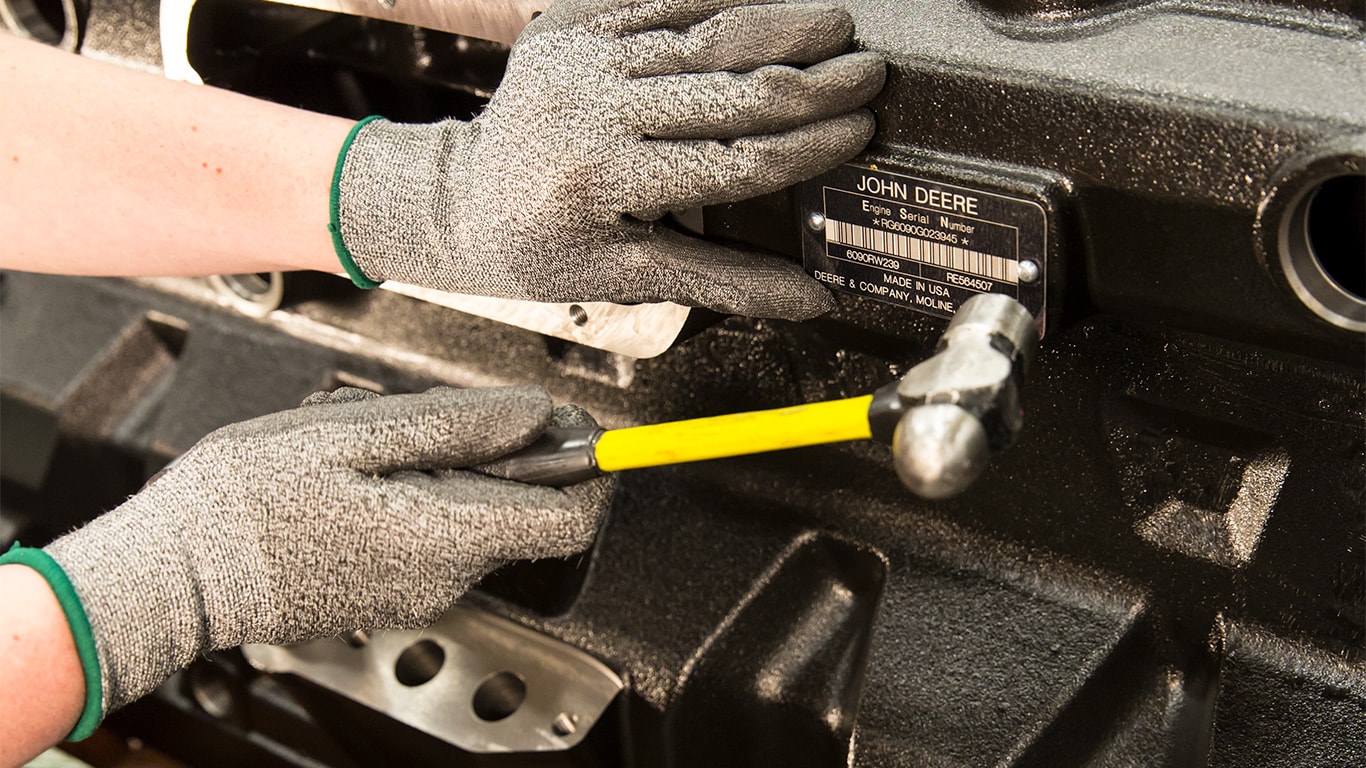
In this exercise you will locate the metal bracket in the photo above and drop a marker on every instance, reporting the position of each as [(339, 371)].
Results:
[(474, 679)]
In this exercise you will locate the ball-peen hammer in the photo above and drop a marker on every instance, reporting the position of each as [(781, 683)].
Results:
[(943, 419)]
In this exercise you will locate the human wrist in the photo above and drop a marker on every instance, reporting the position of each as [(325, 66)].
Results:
[(40, 567), (140, 598), (348, 262)]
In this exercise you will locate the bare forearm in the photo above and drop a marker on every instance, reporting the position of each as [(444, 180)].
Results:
[(40, 671), (105, 171)]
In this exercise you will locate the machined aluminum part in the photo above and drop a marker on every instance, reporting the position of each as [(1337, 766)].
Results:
[(473, 679), (636, 330)]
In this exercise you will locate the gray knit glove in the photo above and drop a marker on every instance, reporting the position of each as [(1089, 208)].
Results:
[(314, 522), (611, 113)]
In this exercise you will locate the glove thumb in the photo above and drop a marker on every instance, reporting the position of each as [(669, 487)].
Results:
[(728, 279)]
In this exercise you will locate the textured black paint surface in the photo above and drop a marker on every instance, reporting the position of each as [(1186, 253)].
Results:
[(800, 605), (1167, 569)]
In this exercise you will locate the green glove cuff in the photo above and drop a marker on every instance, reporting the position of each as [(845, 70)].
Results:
[(48, 568), (334, 223)]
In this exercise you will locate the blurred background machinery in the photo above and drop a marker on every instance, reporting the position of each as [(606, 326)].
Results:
[(1166, 569)]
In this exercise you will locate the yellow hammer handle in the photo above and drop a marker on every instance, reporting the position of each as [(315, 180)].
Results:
[(734, 434)]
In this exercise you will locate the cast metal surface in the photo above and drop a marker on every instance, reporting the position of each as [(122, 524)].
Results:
[(474, 679), (1165, 569)]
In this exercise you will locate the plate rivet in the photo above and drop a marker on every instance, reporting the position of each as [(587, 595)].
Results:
[(565, 724)]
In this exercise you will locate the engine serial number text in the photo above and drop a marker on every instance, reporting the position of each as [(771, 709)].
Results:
[(920, 244)]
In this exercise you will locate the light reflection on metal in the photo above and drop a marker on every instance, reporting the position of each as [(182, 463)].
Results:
[(963, 403)]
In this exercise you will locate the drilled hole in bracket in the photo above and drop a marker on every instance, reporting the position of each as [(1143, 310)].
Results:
[(419, 663), (498, 696)]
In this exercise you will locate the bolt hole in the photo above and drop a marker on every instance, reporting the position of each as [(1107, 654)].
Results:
[(211, 689), (578, 314), (500, 695), (251, 286), (255, 294), (419, 663), (1335, 228)]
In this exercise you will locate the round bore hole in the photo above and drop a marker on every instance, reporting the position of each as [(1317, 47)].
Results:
[(499, 696), (1322, 243), (419, 663), (253, 286), (1335, 231), (255, 294)]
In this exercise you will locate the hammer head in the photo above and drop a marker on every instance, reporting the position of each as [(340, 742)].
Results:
[(963, 403), (939, 450)]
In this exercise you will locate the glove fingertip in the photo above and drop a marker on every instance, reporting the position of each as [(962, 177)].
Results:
[(788, 296), (803, 301), (824, 22), (529, 399), (520, 412), (572, 416), (849, 134), (872, 70), (338, 395)]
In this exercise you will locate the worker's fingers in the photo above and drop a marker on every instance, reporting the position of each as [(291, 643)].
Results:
[(339, 395), (726, 171), (622, 17), (437, 429), (508, 520), (572, 416), (565, 416), (742, 39), (771, 99), (704, 274), (562, 531)]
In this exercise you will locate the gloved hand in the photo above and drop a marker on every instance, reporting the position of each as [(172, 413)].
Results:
[(611, 113), (317, 521)]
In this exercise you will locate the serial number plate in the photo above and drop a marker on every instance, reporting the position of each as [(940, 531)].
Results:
[(920, 243)]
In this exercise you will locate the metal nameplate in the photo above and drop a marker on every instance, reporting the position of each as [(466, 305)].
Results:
[(919, 243)]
